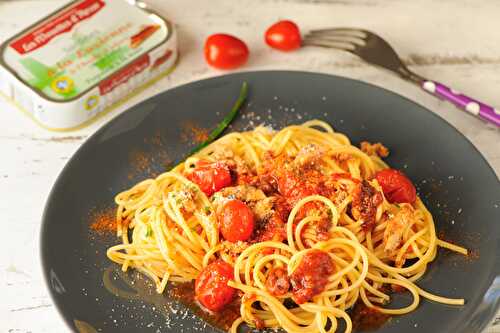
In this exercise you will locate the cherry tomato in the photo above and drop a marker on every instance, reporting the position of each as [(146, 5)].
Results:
[(396, 186), (284, 36), (211, 287), (210, 177), (225, 51), (236, 221)]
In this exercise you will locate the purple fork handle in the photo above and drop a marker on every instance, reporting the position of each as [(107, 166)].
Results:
[(478, 109)]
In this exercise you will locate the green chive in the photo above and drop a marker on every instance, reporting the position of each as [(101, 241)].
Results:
[(226, 121), (149, 231)]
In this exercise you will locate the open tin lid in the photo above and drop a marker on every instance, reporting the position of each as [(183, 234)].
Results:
[(73, 50)]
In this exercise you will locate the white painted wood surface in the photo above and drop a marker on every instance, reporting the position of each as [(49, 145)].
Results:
[(453, 41)]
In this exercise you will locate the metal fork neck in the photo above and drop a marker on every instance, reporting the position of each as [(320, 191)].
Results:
[(411, 76)]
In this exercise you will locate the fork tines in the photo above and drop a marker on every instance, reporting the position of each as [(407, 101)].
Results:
[(339, 38), (343, 31)]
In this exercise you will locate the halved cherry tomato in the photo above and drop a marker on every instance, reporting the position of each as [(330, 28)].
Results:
[(210, 177), (284, 36), (396, 186), (211, 287), (224, 51), (236, 221)]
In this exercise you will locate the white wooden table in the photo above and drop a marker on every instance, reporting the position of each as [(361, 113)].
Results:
[(453, 41)]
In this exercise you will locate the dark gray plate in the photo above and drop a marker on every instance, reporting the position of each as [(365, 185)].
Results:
[(454, 180)]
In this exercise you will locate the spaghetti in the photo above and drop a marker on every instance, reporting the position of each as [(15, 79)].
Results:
[(317, 225)]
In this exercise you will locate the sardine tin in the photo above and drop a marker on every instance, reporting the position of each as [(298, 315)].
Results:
[(76, 63)]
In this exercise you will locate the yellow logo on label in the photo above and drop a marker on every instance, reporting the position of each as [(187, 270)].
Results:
[(91, 102), (62, 85)]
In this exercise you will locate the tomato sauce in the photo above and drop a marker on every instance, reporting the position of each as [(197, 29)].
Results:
[(282, 177), (311, 276), (271, 229), (367, 319), (277, 282), (365, 202), (294, 183)]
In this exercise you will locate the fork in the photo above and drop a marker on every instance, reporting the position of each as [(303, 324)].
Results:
[(376, 51)]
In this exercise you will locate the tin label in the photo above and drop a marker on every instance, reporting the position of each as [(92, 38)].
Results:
[(80, 46), (124, 75)]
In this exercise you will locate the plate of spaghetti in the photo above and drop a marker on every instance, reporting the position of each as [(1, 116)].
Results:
[(325, 205)]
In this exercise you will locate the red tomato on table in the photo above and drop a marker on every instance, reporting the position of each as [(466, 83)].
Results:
[(211, 287), (236, 221), (224, 51), (210, 177), (284, 36), (396, 186)]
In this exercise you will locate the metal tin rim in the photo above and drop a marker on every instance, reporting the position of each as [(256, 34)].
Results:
[(99, 115), (5, 44)]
